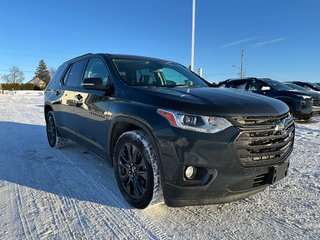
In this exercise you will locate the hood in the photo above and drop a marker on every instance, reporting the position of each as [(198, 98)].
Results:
[(211, 101)]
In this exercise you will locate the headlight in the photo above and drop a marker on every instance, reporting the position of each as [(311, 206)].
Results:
[(304, 96), (195, 123)]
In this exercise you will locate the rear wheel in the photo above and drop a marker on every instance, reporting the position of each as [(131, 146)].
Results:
[(136, 169), (54, 140)]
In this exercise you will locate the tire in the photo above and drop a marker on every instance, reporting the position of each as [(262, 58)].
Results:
[(54, 140), (136, 169)]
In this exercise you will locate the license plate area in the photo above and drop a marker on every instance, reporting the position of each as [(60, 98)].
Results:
[(277, 173)]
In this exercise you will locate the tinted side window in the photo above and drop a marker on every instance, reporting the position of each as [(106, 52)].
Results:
[(58, 75), (238, 84), (256, 86), (74, 75), (97, 69)]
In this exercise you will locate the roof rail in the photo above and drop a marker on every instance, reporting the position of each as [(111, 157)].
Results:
[(83, 55)]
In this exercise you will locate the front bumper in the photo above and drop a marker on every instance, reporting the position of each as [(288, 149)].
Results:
[(222, 177), (214, 193), (303, 111)]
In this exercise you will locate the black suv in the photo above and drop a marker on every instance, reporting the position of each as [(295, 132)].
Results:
[(307, 85), (300, 104), (168, 134), (315, 95)]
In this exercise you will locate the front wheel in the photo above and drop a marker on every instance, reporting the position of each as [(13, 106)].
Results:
[(136, 169)]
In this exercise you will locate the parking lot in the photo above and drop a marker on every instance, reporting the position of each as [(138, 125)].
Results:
[(72, 194)]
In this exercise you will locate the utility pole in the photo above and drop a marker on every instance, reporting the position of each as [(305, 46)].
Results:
[(241, 66), (193, 32)]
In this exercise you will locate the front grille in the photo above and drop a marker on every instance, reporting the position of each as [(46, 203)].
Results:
[(263, 141), (264, 122)]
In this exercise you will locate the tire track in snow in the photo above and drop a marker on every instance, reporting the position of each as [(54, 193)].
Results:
[(24, 221), (121, 206), (18, 197), (64, 201), (107, 213), (199, 214), (58, 215), (281, 226), (68, 201), (113, 227)]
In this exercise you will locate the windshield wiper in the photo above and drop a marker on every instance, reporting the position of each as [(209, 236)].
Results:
[(181, 86)]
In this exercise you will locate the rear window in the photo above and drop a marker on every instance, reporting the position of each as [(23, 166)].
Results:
[(58, 75), (74, 75)]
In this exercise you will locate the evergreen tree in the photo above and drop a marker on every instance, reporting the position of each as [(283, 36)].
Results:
[(42, 72)]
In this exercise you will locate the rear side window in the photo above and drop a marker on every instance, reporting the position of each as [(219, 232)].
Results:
[(74, 75), (97, 69), (58, 75)]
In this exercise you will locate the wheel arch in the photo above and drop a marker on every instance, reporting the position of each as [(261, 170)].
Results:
[(47, 108), (124, 124)]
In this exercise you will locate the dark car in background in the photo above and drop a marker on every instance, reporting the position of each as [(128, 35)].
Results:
[(307, 85), (167, 133), (315, 95), (300, 104)]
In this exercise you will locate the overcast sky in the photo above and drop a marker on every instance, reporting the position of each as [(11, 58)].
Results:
[(281, 38)]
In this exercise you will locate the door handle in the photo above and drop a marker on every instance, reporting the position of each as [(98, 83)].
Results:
[(79, 97), (58, 93)]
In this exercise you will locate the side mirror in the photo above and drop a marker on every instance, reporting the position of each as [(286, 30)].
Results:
[(214, 84), (265, 88), (94, 83)]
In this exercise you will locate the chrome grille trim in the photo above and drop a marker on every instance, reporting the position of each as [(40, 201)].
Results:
[(264, 144)]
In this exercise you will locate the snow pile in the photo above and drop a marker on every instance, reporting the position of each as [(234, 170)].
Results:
[(72, 194)]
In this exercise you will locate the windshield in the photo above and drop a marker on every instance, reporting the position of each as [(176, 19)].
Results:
[(153, 73), (279, 86), (296, 87), (316, 86)]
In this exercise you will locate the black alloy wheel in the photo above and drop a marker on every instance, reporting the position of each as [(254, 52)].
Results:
[(132, 171)]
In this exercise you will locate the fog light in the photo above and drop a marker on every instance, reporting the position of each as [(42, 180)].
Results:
[(304, 103), (190, 172)]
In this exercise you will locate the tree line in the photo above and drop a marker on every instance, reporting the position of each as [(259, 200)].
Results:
[(14, 79)]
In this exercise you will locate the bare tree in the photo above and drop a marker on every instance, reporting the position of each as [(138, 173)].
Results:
[(15, 75)]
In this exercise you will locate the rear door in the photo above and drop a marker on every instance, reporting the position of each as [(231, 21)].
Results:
[(91, 106), (71, 83)]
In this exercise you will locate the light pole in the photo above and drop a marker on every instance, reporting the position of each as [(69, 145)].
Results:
[(241, 66), (192, 34)]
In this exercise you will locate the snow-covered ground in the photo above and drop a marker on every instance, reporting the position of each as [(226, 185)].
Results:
[(72, 194)]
